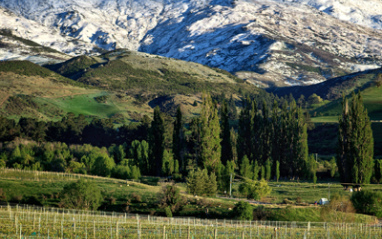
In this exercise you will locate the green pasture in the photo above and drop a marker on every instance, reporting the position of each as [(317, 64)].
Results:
[(84, 104)]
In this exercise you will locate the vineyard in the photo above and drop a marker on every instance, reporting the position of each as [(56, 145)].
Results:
[(35, 222)]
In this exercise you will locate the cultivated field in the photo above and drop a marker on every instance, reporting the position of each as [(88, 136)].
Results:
[(31, 222)]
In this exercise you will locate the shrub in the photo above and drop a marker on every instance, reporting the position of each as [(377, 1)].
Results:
[(340, 209), (81, 195), (17, 198), (168, 211), (243, 211), (368, 202), (3, 196), (170, 198), (136, 198), (255, 189), (260, 213), (32, 200)]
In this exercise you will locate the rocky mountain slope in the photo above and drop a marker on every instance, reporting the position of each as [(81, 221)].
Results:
[(269, 43)]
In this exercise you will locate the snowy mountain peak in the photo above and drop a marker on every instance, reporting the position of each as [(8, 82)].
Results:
[(273, 42)]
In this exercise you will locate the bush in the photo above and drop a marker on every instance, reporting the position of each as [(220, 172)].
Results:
[(168, 211), (368, 202), (81, 195), (340, 209), (136, 198), (170, 198), (3, 196), (260, 213), (243, 211), (255, 189)]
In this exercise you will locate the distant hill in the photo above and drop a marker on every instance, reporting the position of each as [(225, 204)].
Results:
[(334, 88), (122, 85)]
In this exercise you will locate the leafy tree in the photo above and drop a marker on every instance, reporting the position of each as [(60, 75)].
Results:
[(378, 81), (314, 99), (377, 170), (212, 185), (76, 167), (262, 173), (199, 183), (255, 189), (268, 168), (139, 151), (81, 195), (168, 164), (256, 170), (333, 167), (245, 168), (243, 211), (355, 143), (121, 171), (135, 172), (368, 202), (277, 171), (103, 166), (210, 148), (233, 141)]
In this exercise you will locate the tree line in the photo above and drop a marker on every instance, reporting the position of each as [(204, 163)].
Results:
[(266, 141)]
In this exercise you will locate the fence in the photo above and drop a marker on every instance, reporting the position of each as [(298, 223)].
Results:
[(36, 222)]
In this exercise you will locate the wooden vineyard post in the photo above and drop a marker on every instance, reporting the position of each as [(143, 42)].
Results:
[(216, 233), (164, 232), (188, 232), (138, 227), (116, 231), (242, 235), (94, 231)]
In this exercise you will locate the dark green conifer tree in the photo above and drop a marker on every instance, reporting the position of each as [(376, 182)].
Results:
[(210, 148), (156, 142), (178, 142), (356, 143), (226, 148)]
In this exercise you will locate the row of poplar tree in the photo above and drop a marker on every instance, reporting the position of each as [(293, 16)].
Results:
[(267, 143)]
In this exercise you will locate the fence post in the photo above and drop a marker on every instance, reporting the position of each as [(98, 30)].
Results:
[(216, 233), (188, 232), (164, 232)]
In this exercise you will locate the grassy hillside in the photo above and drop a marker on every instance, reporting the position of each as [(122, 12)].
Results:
[(119, 84), (372, 99), (30, 90), (140, 73), (333, 89)]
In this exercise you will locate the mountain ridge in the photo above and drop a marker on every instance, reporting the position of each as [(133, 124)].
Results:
[(279, 42)]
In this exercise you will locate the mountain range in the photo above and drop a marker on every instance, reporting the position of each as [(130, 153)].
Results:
[(271, 43)]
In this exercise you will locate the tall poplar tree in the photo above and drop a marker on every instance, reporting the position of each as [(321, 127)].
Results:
[(157, 142), (178, 141), (226, 153), (356, 143), (210, 148)]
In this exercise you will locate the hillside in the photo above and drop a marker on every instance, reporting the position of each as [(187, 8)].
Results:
[(30, 90), (273, 43), (333, 89), (122, 85)]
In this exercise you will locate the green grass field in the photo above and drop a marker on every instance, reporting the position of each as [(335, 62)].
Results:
[(372, 99), (84, 104)]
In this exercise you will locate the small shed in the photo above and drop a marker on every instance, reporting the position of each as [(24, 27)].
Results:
[(323, 201)]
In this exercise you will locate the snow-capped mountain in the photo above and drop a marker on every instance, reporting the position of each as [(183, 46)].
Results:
[(268, 42)]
